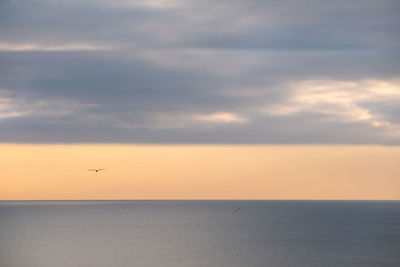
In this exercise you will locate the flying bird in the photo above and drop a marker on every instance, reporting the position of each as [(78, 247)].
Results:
[(96, 170), (235, 211)]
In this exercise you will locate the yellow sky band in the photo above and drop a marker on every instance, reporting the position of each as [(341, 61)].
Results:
[(199, 172)]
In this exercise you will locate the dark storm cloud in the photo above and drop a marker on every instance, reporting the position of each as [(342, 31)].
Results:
[(199, 71)]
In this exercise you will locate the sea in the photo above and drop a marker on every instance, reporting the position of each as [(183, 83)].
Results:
[(200, 233)]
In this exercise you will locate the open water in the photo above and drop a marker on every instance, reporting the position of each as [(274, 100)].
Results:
[(200, 233)]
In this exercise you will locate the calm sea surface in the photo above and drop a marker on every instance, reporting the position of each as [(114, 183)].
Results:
[(200, 233)]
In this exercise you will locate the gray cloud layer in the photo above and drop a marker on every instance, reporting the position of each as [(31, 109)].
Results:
[(178, 71)]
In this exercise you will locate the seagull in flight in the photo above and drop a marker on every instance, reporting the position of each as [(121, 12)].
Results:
[(96, 170), (235, 211)]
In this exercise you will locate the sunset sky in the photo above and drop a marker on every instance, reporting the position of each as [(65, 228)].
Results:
[(184, 99)]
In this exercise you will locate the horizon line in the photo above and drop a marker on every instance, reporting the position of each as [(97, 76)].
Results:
[(199, 199)]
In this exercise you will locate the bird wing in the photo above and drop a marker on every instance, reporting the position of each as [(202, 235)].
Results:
[(101, 169), (91, 170)]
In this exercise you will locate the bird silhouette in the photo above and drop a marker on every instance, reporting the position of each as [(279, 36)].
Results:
[(235, 211), (96, 170)]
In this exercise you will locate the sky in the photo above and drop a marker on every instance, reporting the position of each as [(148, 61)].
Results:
[(310, 75), (199, 172), (176, 71)]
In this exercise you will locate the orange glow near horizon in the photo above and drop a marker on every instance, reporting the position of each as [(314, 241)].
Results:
[(199, 172)]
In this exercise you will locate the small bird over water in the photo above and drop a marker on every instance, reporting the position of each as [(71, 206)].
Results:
[(96, 170), (235, 211)]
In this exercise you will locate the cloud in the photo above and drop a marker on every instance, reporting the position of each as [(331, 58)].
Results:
[(220, 117), (200, 71), (342, 100), (146, 3), (38, 47), (12, 106)]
